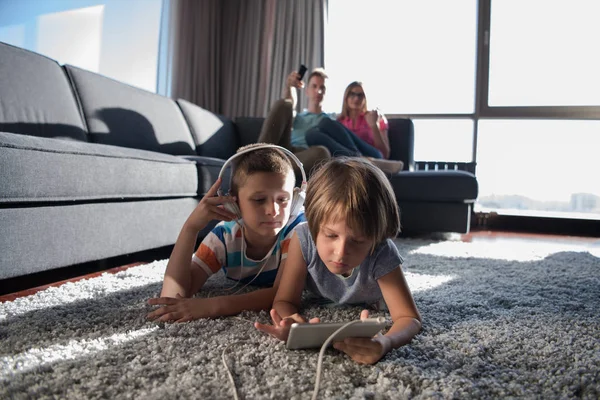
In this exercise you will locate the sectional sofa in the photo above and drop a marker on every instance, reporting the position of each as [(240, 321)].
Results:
[(91, 168)]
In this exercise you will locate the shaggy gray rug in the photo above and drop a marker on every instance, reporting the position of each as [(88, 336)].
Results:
[(499, 321)]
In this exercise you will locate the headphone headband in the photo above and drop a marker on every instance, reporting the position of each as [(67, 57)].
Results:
[(267, 146)]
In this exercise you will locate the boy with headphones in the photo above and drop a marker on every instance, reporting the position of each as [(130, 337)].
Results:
[(250, 244)]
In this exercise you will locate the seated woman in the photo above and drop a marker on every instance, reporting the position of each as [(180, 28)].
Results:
[(357, 132), (370, 126)]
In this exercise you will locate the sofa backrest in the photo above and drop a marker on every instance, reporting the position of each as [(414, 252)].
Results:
[(401, 135), (249, 129), (36, 96), (122, 115), (215, 135)]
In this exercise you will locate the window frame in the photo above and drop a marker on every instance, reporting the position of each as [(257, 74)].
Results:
[(482, 109)]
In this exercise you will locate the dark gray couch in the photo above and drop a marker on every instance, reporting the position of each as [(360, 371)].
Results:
[(91, 168)]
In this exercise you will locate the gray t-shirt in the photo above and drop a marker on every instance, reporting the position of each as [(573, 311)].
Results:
[(361, 286)]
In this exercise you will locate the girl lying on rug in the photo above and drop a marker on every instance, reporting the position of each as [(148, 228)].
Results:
[(249, 245), (345, 253)]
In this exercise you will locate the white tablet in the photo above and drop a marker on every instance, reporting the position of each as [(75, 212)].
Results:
[(305, 336)]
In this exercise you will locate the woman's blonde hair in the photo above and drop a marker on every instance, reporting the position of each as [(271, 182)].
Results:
[(354, 190), (345, 109), (267, 159)]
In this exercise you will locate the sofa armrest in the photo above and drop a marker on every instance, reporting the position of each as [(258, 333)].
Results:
[(401, 134)]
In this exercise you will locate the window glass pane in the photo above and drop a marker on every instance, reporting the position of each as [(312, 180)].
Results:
[(413, 56), (543, 53), (538, 167), (72, 37), (115, 38), (13, 34), (443, 140)]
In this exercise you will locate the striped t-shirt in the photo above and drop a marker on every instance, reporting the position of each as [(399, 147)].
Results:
[(222, 248)]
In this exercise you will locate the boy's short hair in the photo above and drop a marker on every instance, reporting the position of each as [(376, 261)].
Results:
[(320, 72), (268, 159), (354, 188)]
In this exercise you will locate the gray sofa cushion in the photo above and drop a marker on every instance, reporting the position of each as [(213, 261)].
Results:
[(215, 135), (37, 98), (435, 186), (401, 136), (36, 169), (249, 129), (208, 172), (122, 115), (43, 238)]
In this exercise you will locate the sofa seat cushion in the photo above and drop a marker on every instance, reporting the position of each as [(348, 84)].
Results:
[(208, 171), (435, 186), (34, 169)]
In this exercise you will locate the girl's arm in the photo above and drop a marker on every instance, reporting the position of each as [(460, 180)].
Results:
[(291, 284), (402, 308), (287, 300), (407, 322)]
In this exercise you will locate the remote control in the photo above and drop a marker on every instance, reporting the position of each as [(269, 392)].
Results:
[(301, 71)]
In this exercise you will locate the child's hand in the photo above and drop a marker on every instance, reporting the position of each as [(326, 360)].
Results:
[(210, 208), (281, 326), (181, 309), (364, 350)]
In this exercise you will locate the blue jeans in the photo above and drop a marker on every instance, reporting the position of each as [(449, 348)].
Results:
[(340, 140)]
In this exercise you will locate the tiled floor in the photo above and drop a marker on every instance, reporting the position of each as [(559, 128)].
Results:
[(591, 243)]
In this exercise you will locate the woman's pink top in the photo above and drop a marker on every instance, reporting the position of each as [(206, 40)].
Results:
[(362, 128)]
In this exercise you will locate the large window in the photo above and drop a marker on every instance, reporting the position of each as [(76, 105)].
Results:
[(539, 167), (542, 53), (453, 139), (511, 85), (412, 56), (116, 38)]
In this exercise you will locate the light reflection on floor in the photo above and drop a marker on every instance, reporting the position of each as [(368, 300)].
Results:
[(37, 357)]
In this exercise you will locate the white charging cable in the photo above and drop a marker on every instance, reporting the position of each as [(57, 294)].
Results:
[(229, 374), (319, 362), (322, 352)]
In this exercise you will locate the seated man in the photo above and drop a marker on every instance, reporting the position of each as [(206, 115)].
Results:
[(314, 135), (284, 128)]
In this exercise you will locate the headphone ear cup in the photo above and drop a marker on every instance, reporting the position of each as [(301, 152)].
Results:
[(233, 207), (297, 202)]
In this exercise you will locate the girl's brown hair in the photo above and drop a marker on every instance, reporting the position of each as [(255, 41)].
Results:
[(345, 109), (356, 191)]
